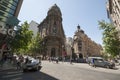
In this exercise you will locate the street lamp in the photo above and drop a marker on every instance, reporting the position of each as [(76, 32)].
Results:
[(62, 49), (63, 52), (88, 51), (71, 54), (44, 47)]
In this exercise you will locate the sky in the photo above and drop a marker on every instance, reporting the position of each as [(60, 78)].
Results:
[(86, 13)]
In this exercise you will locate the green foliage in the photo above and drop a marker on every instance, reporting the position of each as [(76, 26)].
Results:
[(22, 39), (36, 45), (111, 40)]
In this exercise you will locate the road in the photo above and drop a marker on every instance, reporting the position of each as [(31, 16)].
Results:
[(62, 71)]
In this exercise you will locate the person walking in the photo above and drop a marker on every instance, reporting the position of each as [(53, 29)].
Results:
[(57, 60), (64, 55), (26, 60), (4, 58), (70, 60), (19, 62), (93, 62)]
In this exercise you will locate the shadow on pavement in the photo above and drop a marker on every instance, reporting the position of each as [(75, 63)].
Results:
[(12, 74)]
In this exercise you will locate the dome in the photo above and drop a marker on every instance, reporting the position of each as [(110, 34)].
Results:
[(54, 10), (78, 27), (79, 30)]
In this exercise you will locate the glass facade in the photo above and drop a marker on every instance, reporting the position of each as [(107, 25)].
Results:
[(7, 9)]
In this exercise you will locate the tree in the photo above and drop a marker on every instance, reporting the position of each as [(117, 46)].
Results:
[(38, 41), (111, 41), (36, 45), (22, 39)]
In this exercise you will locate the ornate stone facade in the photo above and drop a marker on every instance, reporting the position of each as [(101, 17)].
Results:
[(113, 11), (51, 30), (84, 46)]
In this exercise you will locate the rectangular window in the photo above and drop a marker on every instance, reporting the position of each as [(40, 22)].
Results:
[(13, 3), (4, 3), (3, 19), (2, 8), (5, 9), (16, 0), (0, 19), (10, 4), (1, 13), (5, 13)]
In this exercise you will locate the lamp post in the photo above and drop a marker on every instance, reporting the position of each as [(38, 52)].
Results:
[(44, 53), (88, 52), (62, 49), (63, 58), (71, 54)]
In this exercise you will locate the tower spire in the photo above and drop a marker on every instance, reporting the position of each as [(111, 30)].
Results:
[(78, 27)]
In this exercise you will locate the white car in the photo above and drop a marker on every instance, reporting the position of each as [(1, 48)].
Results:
[(32, 64)]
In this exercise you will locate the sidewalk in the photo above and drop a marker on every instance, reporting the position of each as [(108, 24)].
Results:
[(6, 65)]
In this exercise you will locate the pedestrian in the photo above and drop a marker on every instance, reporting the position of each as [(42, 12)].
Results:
[(14, 60), (112, 62), (57, 59), (26, 60), (1, 62), (19, 62), (50, 59), (93, 62), (4, 58), (70, 60), (64, 55)]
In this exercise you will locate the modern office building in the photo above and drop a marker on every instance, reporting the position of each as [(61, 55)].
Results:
[(9, 10), (33, 26), (113, 11)]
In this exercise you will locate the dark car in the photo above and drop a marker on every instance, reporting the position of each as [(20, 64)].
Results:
[(100, 62), (32, 64), (103, 63)]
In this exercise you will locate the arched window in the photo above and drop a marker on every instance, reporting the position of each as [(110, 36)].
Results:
[(54, 29), (53, 52)]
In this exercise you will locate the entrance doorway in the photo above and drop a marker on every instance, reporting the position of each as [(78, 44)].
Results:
[(81, 56), (53, 52)]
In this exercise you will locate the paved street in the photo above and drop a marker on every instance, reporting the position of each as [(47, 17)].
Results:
[(66, 71), (62, 71)]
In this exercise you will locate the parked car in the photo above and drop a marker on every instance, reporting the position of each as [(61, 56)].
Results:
[(31, 64), (119, 61), (100, 62), (89, 59), (81, 60)]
